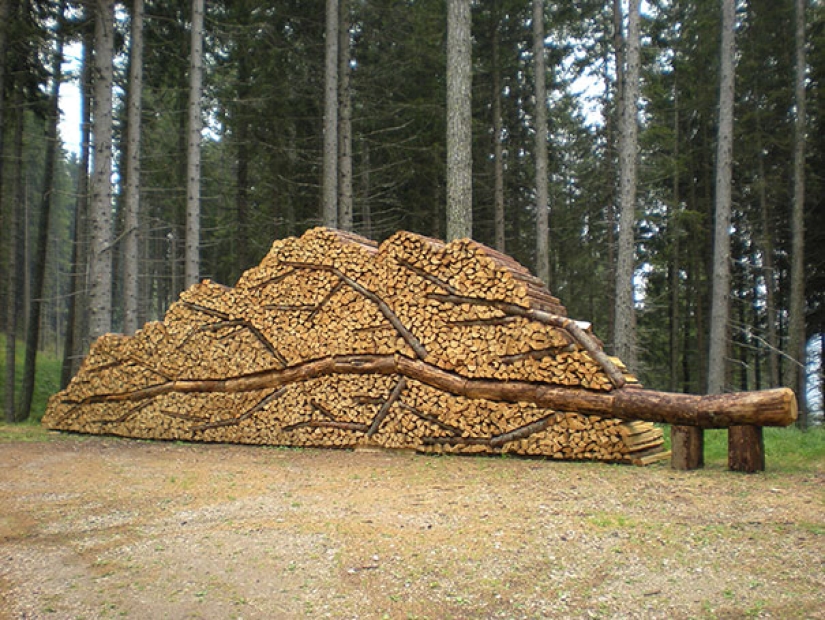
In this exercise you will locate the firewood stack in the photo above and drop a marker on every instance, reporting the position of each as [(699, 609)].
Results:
[(333, 341)]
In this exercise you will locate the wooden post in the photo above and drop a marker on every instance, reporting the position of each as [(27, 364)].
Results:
[(687, 445), (746, 449)]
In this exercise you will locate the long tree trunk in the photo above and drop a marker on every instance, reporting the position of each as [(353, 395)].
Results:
[(132, 193), (15, 259), (329, 183), (5, 11), (6, 218), (796, 314), (100, 255), (542, 206), (675, 267), (77, 322), (625, 314), (243, 254), (459, 121), (193, 149), (344, 120), (720, 292), (42, 243), (769, 273), (498, 137)]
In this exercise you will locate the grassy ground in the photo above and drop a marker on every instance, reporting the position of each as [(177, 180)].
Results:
[(48, 377), (787, 450)]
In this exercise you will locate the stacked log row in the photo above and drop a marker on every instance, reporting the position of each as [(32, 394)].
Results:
[(333, 341)]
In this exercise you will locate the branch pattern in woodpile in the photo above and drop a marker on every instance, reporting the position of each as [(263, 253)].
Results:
[(334, 341)]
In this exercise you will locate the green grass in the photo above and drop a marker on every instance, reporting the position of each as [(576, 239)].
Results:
[(787, 450), (47, 381)]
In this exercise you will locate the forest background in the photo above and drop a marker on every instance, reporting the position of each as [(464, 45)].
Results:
[(207, 130)]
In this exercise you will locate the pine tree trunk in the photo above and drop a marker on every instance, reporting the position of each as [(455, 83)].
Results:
[(76, 322), (459, 121), (100, 254), (15, 259), (329, 184), (674, 267), (243, 257), (77, 316), (366, 191), (498, 136), (345, 120), (6, 221), (625, 314), (720, 293), (42, 243), (796, 314), (542, 206), (132, 190), (193, 150), (769, 275)]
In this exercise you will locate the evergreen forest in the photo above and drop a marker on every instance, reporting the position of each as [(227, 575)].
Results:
[(147, 144)]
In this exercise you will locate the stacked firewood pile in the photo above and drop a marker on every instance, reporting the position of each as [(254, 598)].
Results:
[(333, 341)]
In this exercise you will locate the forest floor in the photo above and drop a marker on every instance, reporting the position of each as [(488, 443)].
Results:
[(95, 527)]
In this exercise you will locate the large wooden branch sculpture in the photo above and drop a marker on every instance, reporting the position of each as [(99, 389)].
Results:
[(332, 341)]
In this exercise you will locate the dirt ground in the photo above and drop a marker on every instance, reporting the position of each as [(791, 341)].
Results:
[(105, 528)]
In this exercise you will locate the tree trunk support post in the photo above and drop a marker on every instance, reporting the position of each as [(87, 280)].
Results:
[(687, 445), (746, 449)]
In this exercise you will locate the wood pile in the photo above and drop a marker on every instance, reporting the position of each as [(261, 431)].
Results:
[(333, 341)]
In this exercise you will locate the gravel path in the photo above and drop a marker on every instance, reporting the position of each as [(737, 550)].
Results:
[(106, 528)]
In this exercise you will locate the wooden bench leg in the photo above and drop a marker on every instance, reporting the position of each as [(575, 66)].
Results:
[(687, 446), (746, 449)]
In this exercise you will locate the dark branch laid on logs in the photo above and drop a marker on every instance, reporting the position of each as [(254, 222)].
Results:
[(385, 408), (579, 335), (775, 407), (388, 313), (227, 321)]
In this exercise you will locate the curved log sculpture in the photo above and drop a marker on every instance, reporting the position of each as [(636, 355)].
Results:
[(333, 341)]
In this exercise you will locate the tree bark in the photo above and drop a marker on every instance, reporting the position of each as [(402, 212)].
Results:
[(746, 449), (329, 198), (720, 292), (7, 221), (687, 445), (345, 120), (674, 267), (15, 260), (498, 137), (100, 254), (796, 314), (767, 408), (132, 173), (41, 246), (77, 322), (459, 121), (542, 206), (625, 313), (193, 149), (769, 274)]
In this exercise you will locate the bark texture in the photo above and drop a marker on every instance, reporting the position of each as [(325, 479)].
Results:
[(132, 189), (542, 204), (193, 149), (100, 218), (720, 292), (624, 330), (459, 121)]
